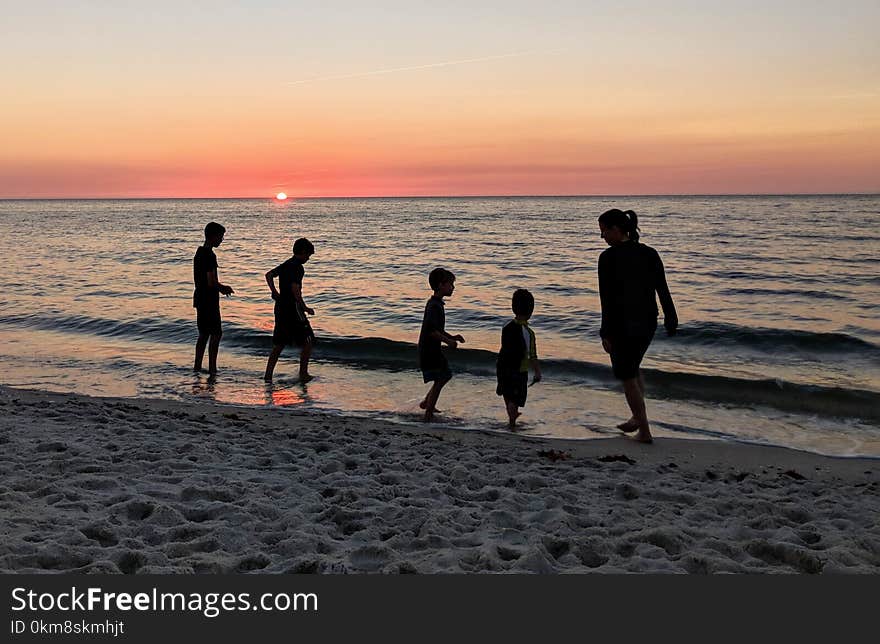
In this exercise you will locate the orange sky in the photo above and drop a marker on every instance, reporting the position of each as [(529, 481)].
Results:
[(110, 103)]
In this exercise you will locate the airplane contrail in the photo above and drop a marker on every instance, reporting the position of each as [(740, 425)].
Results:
[(377, 72), (842, 97)]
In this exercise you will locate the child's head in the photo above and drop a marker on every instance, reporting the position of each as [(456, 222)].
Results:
[(442, 282), (214, 233), (618, 226), (522, 303), (303, 249)]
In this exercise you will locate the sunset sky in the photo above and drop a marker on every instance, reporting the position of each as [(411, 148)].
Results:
[(233, 99)]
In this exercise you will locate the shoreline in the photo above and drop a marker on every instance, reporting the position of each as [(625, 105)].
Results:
[(102, 485)]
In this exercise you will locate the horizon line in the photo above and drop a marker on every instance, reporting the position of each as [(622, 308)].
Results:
[(486, 196)]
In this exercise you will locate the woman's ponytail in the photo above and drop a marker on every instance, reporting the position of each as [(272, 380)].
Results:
[(633, 224)]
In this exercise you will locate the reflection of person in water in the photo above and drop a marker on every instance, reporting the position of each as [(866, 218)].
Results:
[(630, 274)]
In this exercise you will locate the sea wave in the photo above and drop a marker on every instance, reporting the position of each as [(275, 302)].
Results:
[(394, 355), (762, 338)]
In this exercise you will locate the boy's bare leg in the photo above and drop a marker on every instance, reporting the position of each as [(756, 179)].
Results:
[(431, 399), (304, 356), (213, 348), (272, 361), (636, 400), (431, 404), (201, 343), (512, 412)]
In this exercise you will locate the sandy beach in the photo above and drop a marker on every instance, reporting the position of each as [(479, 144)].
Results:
[(143, 486)]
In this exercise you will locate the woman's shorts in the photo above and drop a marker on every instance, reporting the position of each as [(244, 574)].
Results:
[(627, 352)]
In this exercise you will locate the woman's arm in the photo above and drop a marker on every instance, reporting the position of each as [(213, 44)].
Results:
[(605, 295), (670, 317)]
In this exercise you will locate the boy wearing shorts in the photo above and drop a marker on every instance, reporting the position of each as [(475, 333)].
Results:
[(291, 324), (206, 297), (435, 368), (519, 351)]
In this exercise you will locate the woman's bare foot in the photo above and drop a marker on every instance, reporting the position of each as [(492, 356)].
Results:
[(629, 426), (424, 405), (512, 422), (643, 436), (305, 377)]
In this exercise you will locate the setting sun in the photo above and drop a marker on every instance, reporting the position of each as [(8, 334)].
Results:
[(281, 196)]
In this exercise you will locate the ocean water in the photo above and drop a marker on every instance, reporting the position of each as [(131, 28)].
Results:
[(778, 297)]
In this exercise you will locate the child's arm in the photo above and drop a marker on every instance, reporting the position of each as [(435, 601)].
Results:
[(225, 288), (533, 357), (451, 340), (536, 367), (270, 280), (298, 296), (214, 282)]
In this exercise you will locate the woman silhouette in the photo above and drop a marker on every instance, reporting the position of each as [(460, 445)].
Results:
[(630, 274)]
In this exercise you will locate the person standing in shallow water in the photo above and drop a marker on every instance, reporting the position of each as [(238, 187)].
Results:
[(206, 297), (518, 352), (434, 366), (630, 274), (292, 325)]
